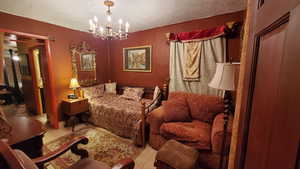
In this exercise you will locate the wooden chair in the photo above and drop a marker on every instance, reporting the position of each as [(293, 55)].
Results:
[(16, 159)]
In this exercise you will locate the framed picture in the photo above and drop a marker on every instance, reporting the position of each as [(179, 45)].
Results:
[(24, 64), (87, 62), (137, 59)]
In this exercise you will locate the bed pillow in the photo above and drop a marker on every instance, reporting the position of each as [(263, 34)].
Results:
[(156, 92), (93, 91), (111, 88), (133, 93)]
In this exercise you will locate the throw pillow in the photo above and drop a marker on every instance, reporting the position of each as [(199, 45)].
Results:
[(176, 110), (156, 92), (204, 108), (111, 88), (133, 93), (93, 91)]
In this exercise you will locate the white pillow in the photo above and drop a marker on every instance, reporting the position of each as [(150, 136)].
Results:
[(155, 95), (111, 88), (156, 92)]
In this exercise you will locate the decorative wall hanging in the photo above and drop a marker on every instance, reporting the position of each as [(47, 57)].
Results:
[(83, 62), (137, 59)]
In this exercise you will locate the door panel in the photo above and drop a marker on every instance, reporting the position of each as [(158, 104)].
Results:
[(263, 117), (273, 105)]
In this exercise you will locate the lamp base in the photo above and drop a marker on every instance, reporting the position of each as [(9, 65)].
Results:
[(72, 96), (228, 110)]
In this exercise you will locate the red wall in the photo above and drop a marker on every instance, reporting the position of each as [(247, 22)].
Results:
[(111, 67), (59, 48), (160, 49)]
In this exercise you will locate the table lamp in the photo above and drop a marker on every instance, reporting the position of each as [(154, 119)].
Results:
[(225, 79), (74, 85)]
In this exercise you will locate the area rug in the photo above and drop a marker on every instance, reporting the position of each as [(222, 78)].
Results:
[(103, 146)]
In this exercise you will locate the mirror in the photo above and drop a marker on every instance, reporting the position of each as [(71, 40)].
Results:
[(83, 63)]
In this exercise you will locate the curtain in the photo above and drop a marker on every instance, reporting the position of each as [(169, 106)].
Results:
[(212, 51)]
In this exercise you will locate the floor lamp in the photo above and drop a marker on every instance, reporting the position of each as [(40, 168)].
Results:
[(224, 79)]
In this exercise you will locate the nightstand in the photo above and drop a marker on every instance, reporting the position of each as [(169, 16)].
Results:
[(73, 107)]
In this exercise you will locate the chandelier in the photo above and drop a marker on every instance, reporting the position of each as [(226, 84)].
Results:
[(108, 31)]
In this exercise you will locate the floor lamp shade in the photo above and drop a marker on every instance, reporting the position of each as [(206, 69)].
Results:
[(224, 78)]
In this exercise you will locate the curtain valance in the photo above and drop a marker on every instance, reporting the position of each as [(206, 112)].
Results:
[(202, 34)]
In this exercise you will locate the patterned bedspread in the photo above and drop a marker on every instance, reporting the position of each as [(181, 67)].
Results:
[(116, 114)]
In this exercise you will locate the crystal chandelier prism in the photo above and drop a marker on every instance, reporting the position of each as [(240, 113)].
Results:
[(108, 31)]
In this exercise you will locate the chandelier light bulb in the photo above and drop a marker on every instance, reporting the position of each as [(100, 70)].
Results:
[(95, 19), (91, 24), (127, 26), (109, 18), (101, 29), (120, 21)]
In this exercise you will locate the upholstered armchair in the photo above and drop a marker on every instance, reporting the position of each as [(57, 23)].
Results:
[(16, 159), (194, 120)]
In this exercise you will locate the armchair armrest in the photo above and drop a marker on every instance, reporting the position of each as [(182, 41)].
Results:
[(127, 163), (156, 119), (217, 133), (64, 148)]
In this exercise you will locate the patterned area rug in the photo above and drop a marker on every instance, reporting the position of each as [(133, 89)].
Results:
[(103, 146)]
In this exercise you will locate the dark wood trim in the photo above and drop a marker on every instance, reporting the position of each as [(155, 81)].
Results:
[(50, 87), (24, 34), (250, 87), (71, 145)]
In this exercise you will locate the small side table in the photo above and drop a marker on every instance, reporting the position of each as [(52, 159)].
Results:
[(73, 107)]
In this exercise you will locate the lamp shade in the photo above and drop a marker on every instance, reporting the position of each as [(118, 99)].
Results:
[(74, 83), (224, 78)]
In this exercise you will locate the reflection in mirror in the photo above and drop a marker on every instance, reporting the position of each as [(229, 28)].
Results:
[(83, 63)]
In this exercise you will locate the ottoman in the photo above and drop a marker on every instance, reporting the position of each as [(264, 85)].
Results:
[(174, 155)]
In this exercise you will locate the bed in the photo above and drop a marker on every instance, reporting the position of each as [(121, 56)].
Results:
[(122, 116)]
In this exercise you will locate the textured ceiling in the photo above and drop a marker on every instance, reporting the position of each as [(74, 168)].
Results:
[(141, 14)]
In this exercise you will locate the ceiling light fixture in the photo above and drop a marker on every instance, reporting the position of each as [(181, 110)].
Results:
[(107, 32)]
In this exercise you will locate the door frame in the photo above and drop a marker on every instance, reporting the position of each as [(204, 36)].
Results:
[(50, 87)]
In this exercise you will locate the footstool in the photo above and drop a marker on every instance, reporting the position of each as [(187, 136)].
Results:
[(174, 155)]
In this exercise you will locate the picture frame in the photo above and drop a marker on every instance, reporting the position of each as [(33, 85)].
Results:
[(137, 59), (87, 62), (24, 64)]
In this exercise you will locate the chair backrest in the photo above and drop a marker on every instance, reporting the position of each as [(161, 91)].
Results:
[(15, 159)]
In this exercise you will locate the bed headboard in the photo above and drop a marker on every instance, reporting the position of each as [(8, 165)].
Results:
[(88, 82), (148, 91)]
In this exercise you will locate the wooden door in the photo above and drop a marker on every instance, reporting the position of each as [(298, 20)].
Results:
[(273, 132), (37, 81)]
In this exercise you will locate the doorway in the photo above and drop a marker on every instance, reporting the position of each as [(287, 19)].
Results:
[(23, 74), (32, 75)]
